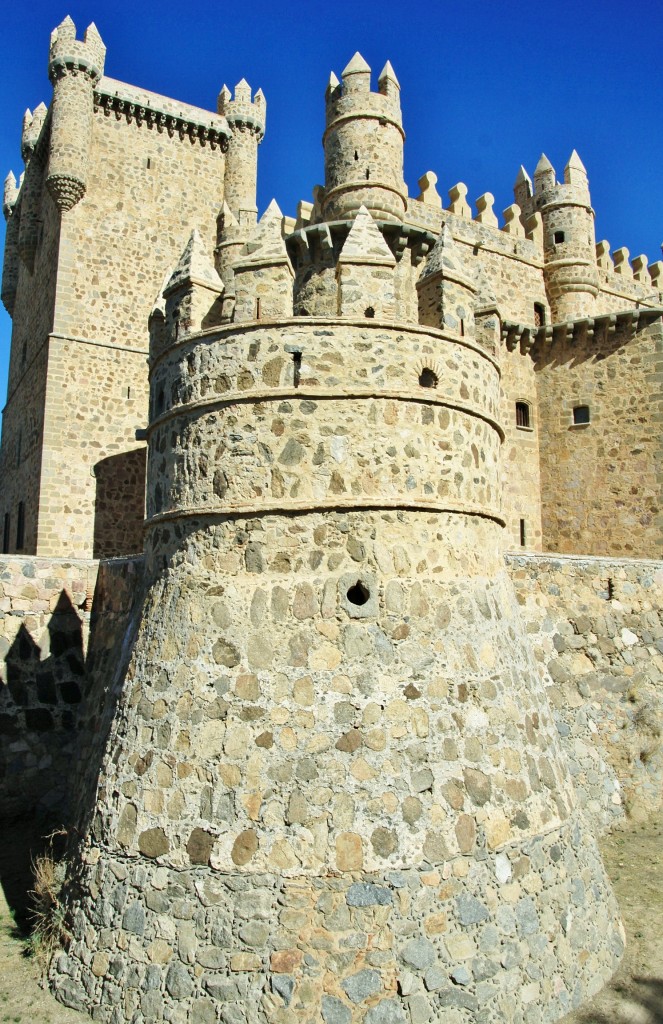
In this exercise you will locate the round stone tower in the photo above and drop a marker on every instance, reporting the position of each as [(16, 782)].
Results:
[(363, 144), (569, 244), (333, 790)]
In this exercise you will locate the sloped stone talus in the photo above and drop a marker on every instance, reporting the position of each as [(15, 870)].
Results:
[(318, 807)]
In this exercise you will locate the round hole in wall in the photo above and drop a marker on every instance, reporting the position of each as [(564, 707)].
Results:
[(358, 593), (369, 312), (428, 378)]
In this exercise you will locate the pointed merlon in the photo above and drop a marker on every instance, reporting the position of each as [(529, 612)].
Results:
[(543, 165), (544, 174), (365, 243), (92, 34), (444, 259), (387, 83), (357, 66), (194, 265), (522, 178), (65, 30), (273, 210), (575, 172), (332, 85), (10, 194), (267, 239), (243, 92), (223, 99), (259, 98)]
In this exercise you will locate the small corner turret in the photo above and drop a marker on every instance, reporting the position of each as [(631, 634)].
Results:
[(74, 68), (567, 228)]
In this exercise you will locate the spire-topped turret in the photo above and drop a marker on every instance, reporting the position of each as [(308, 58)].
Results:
[(246, 118), (570, 270), (74, 68), (364, 145)]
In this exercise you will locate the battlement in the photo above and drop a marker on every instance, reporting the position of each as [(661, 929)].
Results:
[(241, 111), (33, 124), (67, 53), (352, 96)]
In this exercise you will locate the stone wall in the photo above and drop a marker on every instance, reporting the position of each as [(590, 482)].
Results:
[(597, 628), (601, 482), (61, 629), (78, 377)]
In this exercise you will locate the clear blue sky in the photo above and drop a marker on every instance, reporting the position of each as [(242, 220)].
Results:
[(486, 86)]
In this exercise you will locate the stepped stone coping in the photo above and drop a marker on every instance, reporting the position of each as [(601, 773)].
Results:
[(605, 324), (141, 105)]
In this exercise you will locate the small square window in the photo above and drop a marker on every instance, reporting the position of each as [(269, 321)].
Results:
[(580, 415), (522, 414), (559, 237)]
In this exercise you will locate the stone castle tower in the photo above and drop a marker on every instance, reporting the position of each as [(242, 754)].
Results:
[(332, 788)]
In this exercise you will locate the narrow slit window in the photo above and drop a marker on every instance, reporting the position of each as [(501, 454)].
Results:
[(580, 415), (20, 526), (297, 368), (523, 533), (257, 309), (522, 414), (6, 534)]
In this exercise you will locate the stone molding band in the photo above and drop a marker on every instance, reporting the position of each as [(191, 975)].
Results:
[(346, 504), (353, 115), (302, 394), (362, 183)]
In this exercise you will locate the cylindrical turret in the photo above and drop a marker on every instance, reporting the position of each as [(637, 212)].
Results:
[(246, 119), (569, 248), (74, 69), (364, 145)]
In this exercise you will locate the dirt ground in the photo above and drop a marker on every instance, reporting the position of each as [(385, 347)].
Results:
[(633, 858)]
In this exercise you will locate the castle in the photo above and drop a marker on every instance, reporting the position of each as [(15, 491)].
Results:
[(332, 787)]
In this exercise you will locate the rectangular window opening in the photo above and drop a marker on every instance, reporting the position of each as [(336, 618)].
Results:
[(523, 537), (20, 526)]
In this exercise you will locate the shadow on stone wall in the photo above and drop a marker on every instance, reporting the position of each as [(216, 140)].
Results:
[(55, 713), (119, 507)]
